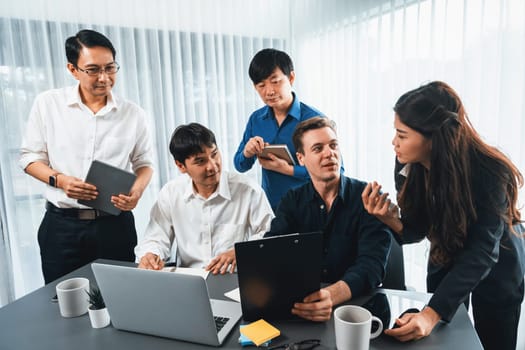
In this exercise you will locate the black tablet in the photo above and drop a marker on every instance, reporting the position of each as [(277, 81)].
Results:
[(110, 181), (276, 272)]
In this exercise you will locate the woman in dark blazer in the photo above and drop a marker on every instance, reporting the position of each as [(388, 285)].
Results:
[(461, 194)]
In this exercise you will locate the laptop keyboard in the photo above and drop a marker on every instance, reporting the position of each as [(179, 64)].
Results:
[(220, 322)]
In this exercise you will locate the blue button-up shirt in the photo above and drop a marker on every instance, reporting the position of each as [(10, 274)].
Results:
[(262, 123), (356, 244)]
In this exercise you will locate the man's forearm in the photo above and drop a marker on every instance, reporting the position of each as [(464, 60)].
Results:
[(40, 171), (143, 178), (340, 292)]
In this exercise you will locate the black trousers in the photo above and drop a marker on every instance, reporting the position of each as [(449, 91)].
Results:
[(67, 243), (496, 325)]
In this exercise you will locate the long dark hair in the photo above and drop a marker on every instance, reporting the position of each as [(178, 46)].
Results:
[(443, 194)]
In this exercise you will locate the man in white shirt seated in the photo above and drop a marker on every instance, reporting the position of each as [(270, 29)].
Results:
[(204, 213)]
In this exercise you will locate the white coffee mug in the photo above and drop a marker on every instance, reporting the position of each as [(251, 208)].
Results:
[(72, 296), (353, 327)]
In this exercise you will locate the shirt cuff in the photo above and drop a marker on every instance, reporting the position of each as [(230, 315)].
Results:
[(355, 283)]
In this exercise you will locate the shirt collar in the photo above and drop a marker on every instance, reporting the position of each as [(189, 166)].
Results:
[(224, 186), (343, 184), (73, 98), (404, 170), (294, 111), (223, 190)]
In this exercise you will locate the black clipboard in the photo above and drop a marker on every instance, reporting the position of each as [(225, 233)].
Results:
[(110, 181), (280, 151), (276, 272)]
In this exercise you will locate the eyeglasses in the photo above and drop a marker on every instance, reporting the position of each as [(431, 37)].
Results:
[(111, 68), (301, 345)]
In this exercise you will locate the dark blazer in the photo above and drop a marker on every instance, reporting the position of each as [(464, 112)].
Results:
[(491, 263)]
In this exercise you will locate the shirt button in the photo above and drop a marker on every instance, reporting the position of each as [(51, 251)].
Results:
[(322, 206), (325, 271)]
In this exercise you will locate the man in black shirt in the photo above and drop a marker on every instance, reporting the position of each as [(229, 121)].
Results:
[(356, 244)]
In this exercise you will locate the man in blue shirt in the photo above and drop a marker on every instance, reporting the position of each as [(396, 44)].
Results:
[(273, 75), (356, 244)]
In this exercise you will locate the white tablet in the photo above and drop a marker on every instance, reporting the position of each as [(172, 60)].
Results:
[(280, 151)]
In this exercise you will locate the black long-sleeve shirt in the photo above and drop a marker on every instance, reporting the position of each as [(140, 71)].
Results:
[(356, 244)]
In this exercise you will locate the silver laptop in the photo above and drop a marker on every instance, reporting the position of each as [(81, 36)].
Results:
[(165, 304)]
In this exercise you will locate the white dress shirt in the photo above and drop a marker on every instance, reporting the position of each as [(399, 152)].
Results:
[(65, 134), (205, 227)]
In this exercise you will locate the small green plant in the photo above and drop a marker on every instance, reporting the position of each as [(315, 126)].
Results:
[(95, 299)]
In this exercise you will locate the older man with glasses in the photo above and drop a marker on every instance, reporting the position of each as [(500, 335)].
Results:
[(67, 129)]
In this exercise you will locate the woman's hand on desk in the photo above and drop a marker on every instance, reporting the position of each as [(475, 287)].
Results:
[(223, 263), (413, 326)]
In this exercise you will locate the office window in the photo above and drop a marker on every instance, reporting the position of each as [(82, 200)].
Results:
[(176, 76), (358, 58)]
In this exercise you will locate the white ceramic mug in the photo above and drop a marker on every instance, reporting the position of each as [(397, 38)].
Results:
[(353, 327), (72, 296)]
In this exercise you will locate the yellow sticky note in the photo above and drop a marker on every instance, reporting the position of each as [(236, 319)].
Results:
[(260, 331)]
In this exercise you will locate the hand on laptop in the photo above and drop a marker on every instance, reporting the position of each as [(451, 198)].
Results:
[(151, 261), (221, 262)]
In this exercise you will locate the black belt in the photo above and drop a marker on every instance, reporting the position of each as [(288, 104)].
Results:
[(81, 214)]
